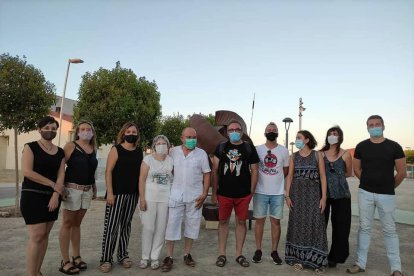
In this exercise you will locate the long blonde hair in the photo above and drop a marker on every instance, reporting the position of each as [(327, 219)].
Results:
[(92, 142)]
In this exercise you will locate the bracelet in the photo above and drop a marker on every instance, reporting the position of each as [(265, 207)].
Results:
[(286, 197)]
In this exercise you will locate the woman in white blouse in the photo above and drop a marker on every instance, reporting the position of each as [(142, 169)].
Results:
[(154, 190)]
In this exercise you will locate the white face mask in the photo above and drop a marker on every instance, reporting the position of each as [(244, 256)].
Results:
[(85, 135), (332, 139), (161, 149)]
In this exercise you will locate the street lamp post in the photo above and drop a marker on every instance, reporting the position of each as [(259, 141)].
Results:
[(287, 122), (301, 109), (71, 60)]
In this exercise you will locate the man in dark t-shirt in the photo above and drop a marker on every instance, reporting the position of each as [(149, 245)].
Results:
[(374, 163), (235, 168)]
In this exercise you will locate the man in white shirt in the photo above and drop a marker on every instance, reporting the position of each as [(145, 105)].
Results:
[(188, 192), (269, 195)]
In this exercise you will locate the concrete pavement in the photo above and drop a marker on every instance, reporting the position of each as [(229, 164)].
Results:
[(14, 238)]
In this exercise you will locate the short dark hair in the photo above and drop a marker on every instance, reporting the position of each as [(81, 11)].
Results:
[(312, 141), (376, 117), (234, 122), (47, 121)]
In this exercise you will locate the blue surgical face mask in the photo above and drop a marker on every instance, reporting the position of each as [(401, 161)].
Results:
[(190, 143), (234, 136), (375, 132), (299, 144)]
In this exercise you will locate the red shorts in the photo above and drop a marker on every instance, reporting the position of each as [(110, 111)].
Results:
[(240, 205)]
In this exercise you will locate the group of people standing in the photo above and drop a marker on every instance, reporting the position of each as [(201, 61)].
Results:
[(170, 186)]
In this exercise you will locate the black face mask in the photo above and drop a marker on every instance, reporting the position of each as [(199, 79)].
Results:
[(131, 138), (48, 135), (271, 136)]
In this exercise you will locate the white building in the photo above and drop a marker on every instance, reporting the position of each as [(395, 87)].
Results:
[(7, 137)]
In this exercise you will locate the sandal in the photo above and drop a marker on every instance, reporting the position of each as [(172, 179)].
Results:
[(126, 263), (221, 261), (320, 271), (298, 267), (354, 269), (72, 270), (241, 260), (105, 267), (81, 264)]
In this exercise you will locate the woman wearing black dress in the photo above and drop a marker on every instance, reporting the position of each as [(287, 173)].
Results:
[(43, 167)]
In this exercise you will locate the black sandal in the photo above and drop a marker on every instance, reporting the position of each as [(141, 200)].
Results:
[(72, 270), (81, 265), (221, 261), (241, 260)]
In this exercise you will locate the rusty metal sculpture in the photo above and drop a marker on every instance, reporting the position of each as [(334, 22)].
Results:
[(208, 136)]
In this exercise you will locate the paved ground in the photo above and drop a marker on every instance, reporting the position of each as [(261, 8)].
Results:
[(14, 238)]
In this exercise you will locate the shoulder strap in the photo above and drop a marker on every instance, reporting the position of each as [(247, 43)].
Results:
[(317, 156), (77, 146)]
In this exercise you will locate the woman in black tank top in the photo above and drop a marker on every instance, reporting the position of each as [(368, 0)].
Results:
[(43, 167), (80, 185), (121, 176)]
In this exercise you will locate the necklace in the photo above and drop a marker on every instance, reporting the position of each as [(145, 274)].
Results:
[(45, 146)]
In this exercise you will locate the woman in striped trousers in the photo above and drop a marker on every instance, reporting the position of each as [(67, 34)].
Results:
[(121, 176)]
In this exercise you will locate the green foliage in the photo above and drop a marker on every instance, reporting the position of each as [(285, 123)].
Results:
[(110, 98), (211, 119), (25, 95), (409, 156), (172, 126)]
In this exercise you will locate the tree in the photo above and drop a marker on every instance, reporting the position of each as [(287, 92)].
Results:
[(110, 98), (409, 155), (172, 127), (25, 97)]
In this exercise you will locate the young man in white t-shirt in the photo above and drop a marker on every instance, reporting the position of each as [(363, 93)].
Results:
[(269, 195)]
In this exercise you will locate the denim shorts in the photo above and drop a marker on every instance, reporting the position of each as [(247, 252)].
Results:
[(271, 205)]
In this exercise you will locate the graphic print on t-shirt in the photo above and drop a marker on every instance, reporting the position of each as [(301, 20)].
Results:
[(235, 162), (268, 166), (161, 178)]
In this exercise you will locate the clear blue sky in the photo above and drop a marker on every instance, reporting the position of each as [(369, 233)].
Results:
[(346, 59)]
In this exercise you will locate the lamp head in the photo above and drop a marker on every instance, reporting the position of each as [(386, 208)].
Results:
[(75, 60)]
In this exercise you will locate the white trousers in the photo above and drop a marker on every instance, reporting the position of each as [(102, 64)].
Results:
[(154, 222), (176, 213)]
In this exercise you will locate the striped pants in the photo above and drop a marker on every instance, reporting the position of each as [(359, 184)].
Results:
[(118, 217)]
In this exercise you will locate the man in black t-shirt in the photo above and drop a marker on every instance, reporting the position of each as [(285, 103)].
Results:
[(235, 168), (374, 163)]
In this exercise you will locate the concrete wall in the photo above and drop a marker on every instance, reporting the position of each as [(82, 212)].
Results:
[(7, 154)]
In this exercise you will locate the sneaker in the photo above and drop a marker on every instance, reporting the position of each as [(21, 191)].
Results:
[(257, 258), (143, 264), (276, 259), (155, 265), (167, 264), (188, 260)]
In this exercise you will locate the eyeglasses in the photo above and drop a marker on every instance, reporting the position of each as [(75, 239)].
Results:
[(234, 129), (331, 167), (269, 152)]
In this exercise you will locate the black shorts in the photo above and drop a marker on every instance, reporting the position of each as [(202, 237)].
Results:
[(34, 208)]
